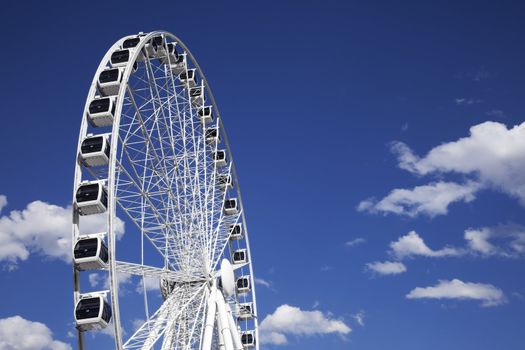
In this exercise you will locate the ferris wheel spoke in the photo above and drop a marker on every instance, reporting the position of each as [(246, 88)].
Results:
[(173, 307), (155, 272)]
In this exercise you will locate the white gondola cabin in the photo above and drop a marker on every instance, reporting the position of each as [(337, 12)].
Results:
[(101, 111), (213, 136), (243, 284), (92, 312), (155, 46), (189, 77), (109, 81), (231, 206), (219, 157), (131, 44), (240, 256), (245, 311), (248, 339), (206, 115), (90, 252), (225, 181), (197, 96), (236, 232), (120, 59), (94, 150), (178, 66), (169, 55), (91, 198)]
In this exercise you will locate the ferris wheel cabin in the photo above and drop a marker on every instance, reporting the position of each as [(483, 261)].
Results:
[(245, 311), (101, 111), (248, 339), (119, 59), (94, 151), (189, 77), (225, 181), (219, 157), (92, 312), (239, 257), (91, 198), (206, 115), (131, 44), (236, 232), (155, 46), (243, 284), (109, 81), (197, 96), (231, 206), (90, 253), (170, 55), (179, 65), (212, 136)]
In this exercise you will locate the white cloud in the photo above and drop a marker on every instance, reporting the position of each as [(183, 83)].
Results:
[(151, 283), (44, 229), (3, 202), (498, 113), (354, 242), (387, 267), (360, 318), (412, 245), (290, 320), (94, 279), (510, 240), (488, 294), (262, 282), (17, 333), (467, 101), (493, 155), (431, 200)]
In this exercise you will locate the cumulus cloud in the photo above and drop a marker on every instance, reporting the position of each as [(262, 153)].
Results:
[(493, 154), (491, 157), (3, 202), (503, 240), (431, 200), (289, 320), (17, 333), (44, 229), (413, 245), (387, 267), (488, 294)]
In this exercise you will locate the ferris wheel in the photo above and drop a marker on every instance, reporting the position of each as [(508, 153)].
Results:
[(153, 153)]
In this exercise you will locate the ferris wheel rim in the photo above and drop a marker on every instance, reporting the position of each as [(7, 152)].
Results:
[(112, 168)]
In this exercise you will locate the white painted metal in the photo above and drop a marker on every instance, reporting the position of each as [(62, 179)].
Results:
[(163, 178)]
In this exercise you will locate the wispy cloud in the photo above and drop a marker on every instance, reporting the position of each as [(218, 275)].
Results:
[(430, 200), (360, 318), (496, 113), (354, 242), (463, 101), (488, 294), (263, 282)]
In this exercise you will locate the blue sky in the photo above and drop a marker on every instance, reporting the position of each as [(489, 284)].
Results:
[(330, 107)]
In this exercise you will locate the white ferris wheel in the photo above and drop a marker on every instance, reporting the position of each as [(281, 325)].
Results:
[(153, 151)]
